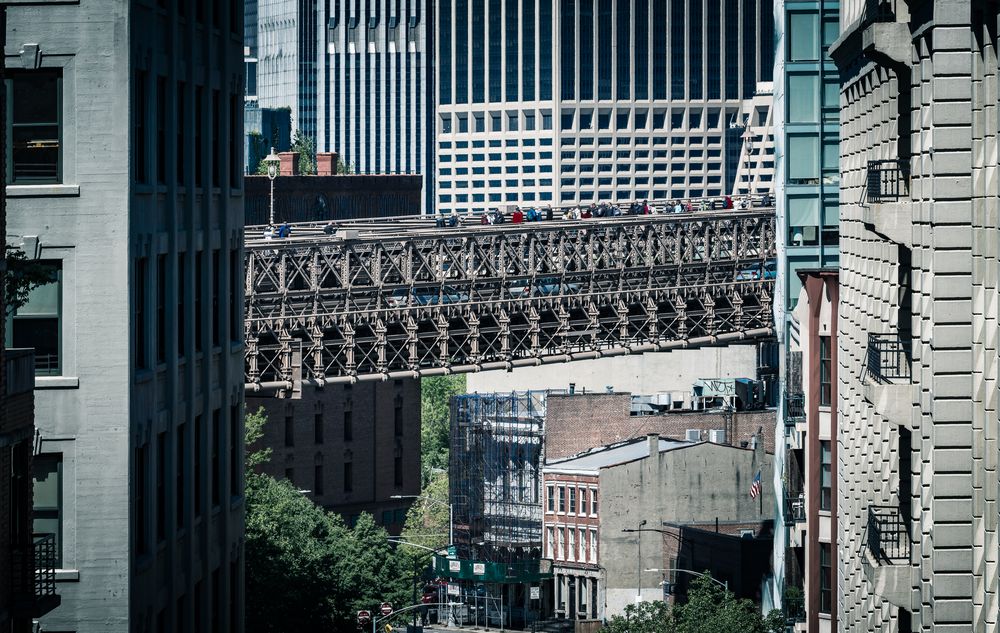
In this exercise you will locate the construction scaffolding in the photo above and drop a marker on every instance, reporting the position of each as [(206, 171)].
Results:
[(495, 480)]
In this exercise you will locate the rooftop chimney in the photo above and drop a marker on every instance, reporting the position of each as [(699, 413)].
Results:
[(654, 444), (326, 163), (289, 163)]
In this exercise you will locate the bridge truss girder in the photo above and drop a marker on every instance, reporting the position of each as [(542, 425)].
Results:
[(333, 310)]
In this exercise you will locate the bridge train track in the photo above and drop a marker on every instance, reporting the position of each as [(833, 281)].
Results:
[(388, 302)]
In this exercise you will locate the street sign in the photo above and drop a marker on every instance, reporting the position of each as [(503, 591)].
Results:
[(536, 593), (364, 617), (385, 608), (479, 569), (453, 590)]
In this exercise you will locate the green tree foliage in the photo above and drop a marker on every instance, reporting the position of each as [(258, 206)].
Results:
[(709, 609), (307, 152), (305, 570), (21, 277), (427, 523), (435, 412)]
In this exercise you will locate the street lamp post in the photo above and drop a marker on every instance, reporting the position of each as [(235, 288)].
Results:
[(724, 585), (451, 512), (273, 164), (638, 571)]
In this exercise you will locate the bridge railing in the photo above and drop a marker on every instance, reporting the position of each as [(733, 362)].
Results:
[(440, 299)]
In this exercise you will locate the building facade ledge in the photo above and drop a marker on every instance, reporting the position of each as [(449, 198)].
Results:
[(892, 583), (891, 220), (57, 382), (42, 191), (887, 44), (893, 401)]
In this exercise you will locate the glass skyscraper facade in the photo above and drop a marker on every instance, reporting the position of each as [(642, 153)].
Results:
[(807, 137), (576, 101)]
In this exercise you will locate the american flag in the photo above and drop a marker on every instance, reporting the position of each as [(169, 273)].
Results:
[(755, 486)]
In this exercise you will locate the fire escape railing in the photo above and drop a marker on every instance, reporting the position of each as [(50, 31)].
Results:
[(887, 535), (795, 409), (888, 358), (888, 180), (33, 574)]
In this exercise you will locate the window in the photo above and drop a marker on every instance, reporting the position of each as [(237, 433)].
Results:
[(348, 427), (825, 476), (180, 492), (217, 473), (550, 542), (37, 324), (824, 371), (550, 495), (34, 135), (562, 499), (593, 501), (141, 270), (161, 487), (199, 269), (216, 283), (825, 578), (318, 428), (199, 430), (593, 545), (141, 510), (582, 555), (235, 450), (397, 420), (512, 121), (236, 302), (181, 127), (48, 500), (161, 130), (141, 114), (803, 37), (397, 469), (348, 477), (290, 475), (181, 307), (572, 500), (583, 501), (161, 309), (289, 430), (571, 544), (318, 480)]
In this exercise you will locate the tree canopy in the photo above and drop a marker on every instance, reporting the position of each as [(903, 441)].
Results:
[(435, 411), (709, 609), (305, 569)]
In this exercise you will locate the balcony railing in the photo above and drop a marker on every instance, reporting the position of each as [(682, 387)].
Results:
[(795, 509), (795, 607), (888, 358), (888, 180), (888, 536), (795, 408), (33, 575)]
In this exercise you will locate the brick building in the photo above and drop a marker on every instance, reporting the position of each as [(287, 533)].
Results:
[(300, 198), (578, 422), (351, 447)]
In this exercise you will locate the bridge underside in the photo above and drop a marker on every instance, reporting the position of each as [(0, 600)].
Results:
[(375, 306)]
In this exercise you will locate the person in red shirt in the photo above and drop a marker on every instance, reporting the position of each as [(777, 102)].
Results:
[(517, 217)]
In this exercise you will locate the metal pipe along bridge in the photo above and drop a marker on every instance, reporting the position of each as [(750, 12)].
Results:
[(404, 298)]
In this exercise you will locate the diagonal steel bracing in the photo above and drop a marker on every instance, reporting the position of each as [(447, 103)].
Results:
[(405, 299)]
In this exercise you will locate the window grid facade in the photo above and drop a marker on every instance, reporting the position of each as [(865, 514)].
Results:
[(609, 96)]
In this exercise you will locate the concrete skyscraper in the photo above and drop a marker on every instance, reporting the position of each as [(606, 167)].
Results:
[(125, 180), (358, 78), (577, 101)]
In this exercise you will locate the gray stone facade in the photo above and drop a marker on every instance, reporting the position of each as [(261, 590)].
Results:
[(917, 474), (142, 407)]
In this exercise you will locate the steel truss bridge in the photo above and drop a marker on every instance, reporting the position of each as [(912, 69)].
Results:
[(403, 298)]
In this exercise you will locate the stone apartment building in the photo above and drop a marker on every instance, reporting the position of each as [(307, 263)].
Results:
[(350, 448), (917, 355), (125, 180)]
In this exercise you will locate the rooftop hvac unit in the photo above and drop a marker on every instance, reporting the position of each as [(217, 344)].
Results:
[(717, 436), (663, 399), (693, 435)]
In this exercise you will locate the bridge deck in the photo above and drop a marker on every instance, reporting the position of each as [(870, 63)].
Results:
[(384, 299)]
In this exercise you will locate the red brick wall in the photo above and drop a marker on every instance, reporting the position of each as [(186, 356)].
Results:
[(577, 423), (571, 518), (371, 451)]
